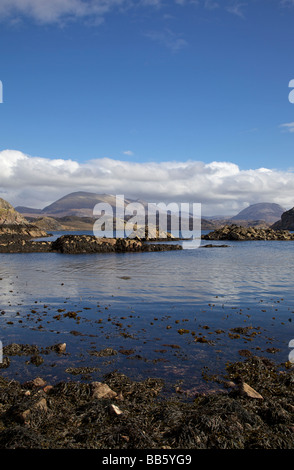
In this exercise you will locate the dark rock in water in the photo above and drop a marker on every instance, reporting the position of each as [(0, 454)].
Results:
[(235, 232), (214, 246), (16, 349), (15, 244), (82, 244), (79, 244), (37, 360), (75, 244), (104, 352)]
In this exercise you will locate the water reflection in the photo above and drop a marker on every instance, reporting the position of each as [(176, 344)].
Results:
[(247, 269), (140, 302)]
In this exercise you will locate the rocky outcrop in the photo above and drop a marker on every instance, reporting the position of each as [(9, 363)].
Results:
[(26, 231), (235, 232), (47, 223), (14, 225), (286, 222), (81, 244), (8, 215), (15, 244), (90, 244)]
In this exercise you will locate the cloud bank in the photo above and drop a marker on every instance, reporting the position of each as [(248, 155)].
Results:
[(221, 187)]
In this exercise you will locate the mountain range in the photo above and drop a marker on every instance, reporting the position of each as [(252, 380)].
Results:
[(78, 204), (75, 211)]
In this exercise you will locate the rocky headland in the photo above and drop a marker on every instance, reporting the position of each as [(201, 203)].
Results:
[(286, 222), (14, 225), (235, 232)]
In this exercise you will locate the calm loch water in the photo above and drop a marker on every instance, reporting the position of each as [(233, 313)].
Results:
[(173, 314)]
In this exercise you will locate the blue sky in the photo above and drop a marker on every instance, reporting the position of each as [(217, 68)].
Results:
[(147, 83)]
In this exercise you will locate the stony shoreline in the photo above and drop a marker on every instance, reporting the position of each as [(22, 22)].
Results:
[(255, 410), (78, 244)]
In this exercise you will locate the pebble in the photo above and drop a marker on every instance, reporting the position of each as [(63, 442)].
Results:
[(100, 390), (115, 410), (248, 391)]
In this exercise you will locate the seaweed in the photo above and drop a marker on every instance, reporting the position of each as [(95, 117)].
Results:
[(70, 415)]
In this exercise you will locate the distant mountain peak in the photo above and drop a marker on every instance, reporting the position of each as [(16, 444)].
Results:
[(266, 211), (77, 203)]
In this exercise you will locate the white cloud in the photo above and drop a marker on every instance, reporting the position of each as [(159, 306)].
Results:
[(237, 9), (168, 38), (288, 126), (221, 187), (129, 153)]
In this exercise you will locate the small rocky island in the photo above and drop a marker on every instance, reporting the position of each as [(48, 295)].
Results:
[(81, 244), (235, 232), (17, 235)]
